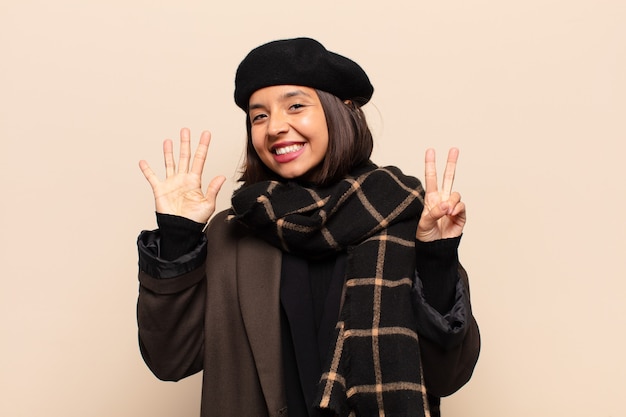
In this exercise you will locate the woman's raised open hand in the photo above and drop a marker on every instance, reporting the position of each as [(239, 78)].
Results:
[(444, 213), (181, 192)]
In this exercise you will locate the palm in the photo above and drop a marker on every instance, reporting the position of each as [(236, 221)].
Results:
[(181, 193), (444, 214)]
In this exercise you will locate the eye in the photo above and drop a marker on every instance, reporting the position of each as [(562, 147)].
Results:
[(257, 117), (296, 106)]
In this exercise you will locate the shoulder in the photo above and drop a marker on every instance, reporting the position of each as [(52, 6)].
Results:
[(226, 238), (219, 220), (221, 230)]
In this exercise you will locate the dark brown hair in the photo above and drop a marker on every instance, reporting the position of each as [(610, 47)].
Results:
[(350, 144)]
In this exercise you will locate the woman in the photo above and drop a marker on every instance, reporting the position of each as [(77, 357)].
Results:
[(331, 287)]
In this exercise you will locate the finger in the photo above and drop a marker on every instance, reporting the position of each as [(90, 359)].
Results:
[(430, 171), (448, 173), (185, 150), (148, 173), (199, 158), (459, 210), (456, 206), (168, 156), (453, 201)]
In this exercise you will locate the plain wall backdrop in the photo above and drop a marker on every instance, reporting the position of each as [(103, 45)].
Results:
[(533, 93)]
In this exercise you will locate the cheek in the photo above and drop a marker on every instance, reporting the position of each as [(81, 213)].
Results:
[(316, 129), (322, 134), (257, 141)]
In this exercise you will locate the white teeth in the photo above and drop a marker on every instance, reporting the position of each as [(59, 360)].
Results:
[(288, 149)]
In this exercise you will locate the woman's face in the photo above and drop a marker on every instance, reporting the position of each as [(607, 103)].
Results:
[(288, 129)]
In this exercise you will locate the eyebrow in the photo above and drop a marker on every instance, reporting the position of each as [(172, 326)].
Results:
[(288, 94)]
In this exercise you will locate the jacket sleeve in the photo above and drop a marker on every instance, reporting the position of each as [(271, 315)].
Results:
[(171, 308), (450, 342)]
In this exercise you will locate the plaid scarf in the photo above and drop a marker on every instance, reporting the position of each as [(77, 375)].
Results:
[(374, 367)]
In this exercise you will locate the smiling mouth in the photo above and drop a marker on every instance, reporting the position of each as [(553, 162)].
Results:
[(288, 149)]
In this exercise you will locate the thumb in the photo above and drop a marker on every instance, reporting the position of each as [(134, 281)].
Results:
[(214, 187), (430, 216)]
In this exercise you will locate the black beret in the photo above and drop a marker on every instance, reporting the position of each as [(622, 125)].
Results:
[(300, 61)]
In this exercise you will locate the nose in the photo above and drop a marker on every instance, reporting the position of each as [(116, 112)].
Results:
[(277, 124)]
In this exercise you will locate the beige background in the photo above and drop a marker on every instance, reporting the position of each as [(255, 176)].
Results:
[(533, 92)]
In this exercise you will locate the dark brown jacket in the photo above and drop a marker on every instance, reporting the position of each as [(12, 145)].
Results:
[(229, 327)]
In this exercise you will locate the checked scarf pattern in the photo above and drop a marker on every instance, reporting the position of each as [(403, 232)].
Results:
[(374, 367)]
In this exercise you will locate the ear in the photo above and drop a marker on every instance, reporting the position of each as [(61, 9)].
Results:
[(347, 102)]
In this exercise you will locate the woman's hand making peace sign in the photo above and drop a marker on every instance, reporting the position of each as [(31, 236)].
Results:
[(181, 193), (444, 214)]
